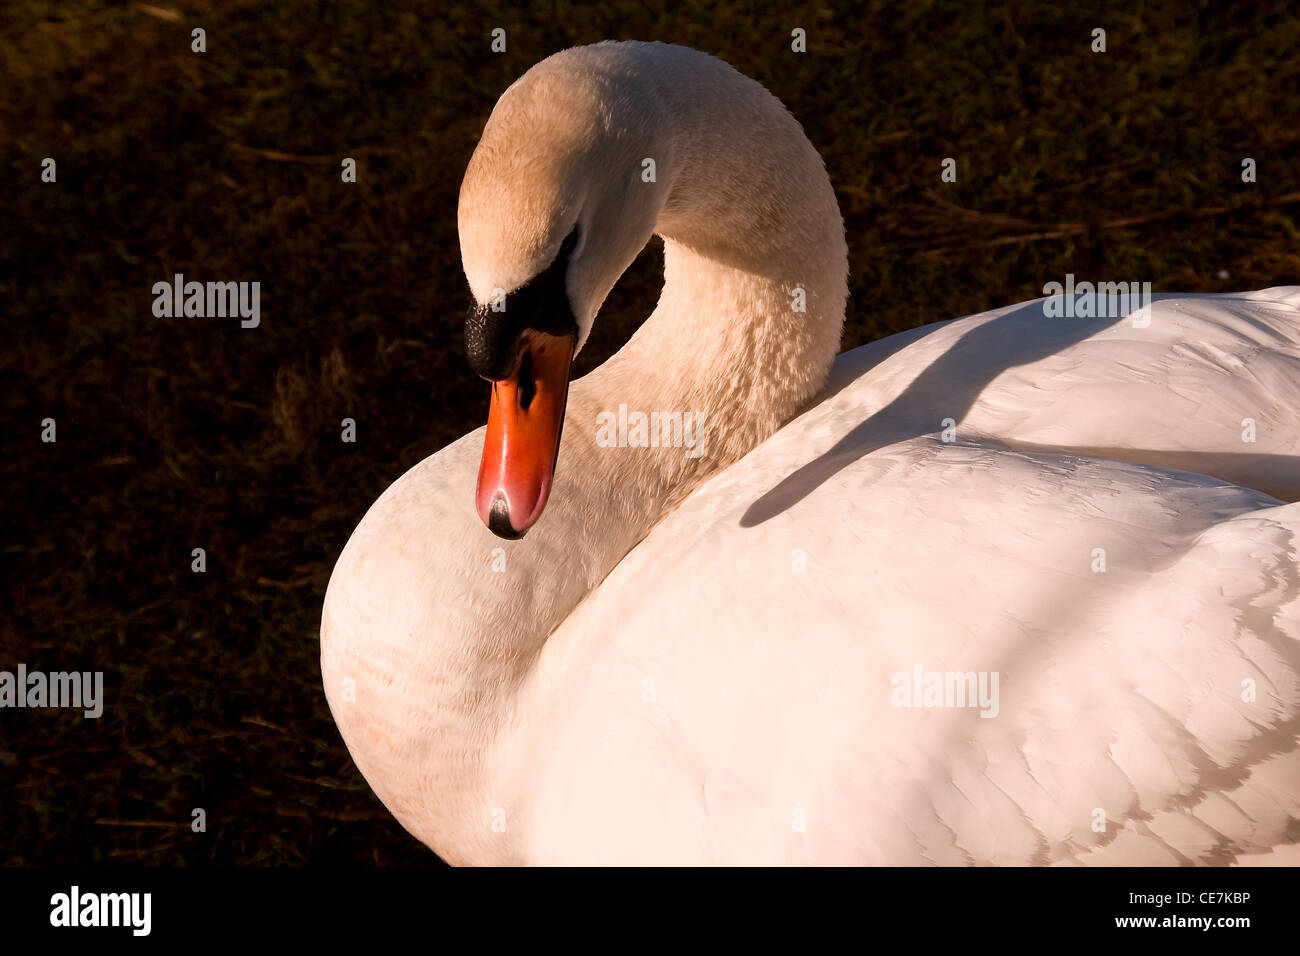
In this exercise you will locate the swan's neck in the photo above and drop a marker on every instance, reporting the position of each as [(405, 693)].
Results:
[(755, 281)]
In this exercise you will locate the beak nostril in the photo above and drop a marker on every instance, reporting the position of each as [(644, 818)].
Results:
[(527, 385)]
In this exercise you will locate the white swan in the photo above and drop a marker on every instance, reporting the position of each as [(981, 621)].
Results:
[(705, 659)]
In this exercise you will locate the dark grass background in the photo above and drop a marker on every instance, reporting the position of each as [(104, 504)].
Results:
[(183, 433)]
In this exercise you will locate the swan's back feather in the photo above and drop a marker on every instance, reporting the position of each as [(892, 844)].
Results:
[(725, 694)]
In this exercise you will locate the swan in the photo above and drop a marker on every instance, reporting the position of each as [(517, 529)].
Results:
[(542, 646)]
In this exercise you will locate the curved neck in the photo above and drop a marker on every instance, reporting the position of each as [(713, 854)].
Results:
[(755, 284)]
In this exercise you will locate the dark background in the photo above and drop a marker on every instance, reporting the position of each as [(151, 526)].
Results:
[(183, 433)]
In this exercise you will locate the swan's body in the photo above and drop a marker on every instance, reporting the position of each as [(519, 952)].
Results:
[(694, 659)]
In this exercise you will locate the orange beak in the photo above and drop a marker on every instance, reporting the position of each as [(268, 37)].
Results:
[(523, 435)]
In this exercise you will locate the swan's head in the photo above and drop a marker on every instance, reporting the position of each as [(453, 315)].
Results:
[(555, 205)]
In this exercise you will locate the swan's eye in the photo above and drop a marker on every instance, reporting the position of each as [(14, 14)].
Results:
[(568, 245), (492, 337)]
